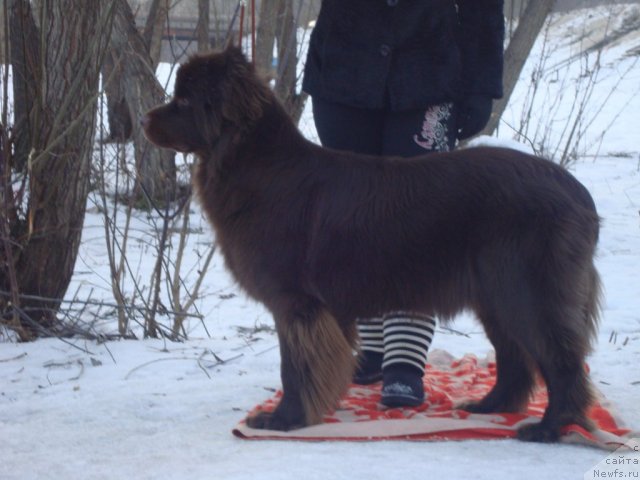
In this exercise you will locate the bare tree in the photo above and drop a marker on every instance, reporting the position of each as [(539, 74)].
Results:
[(286, 86), (24, 54), (202, 28), (154, 29), (278, 23), (42, 208), (524, 36), (119, 117), (118, 112), (156, 171), (266, 35)]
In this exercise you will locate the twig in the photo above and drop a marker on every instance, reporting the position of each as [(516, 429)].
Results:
[(219, 361), (456, 332), (151, 362), (38, 327), (17, 357), (266, 351), (64, 365), (99, 303)]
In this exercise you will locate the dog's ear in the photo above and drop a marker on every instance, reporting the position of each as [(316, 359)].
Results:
[(244, 93), (233, 51), (199, 80)]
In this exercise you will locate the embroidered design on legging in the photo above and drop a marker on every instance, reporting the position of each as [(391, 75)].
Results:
[(434, 133)]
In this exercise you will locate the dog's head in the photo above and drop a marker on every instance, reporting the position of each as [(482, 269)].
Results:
[(212, 93)]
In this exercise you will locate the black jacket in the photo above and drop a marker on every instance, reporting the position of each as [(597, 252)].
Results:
[(405, 54)]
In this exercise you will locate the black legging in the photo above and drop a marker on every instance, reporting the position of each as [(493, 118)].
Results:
[(382, 132)]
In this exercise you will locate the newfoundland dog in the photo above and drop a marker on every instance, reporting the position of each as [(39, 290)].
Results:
[(323, 237)]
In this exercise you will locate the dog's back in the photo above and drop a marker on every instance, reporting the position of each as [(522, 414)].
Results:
[(426, 221)]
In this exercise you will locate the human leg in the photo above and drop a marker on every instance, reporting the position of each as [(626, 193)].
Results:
[(371, 351), (358, 130), (407, 338), (348, 128), (389, 133), (408, 335)]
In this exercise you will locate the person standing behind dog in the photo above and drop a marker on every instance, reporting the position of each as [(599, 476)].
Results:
[(402, 77)]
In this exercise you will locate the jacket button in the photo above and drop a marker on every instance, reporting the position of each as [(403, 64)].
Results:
[(392, 3), (385, 50)]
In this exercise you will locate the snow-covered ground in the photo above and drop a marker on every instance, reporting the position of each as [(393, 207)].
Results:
[(157, 409)]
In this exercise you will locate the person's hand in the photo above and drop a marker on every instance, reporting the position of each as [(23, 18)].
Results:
[(473, 114)]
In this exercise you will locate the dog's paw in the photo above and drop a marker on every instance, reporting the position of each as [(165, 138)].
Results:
[(271, 421), (471, 407), (493, 404), (476, 407), (539, 432), (265, 421)]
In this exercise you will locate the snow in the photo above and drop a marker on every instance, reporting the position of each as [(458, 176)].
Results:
[(159, 409)]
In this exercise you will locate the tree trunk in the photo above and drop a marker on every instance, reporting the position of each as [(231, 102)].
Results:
[(154, 29), (156, 170), (266, 35), (118, 115), (25, 60), (202, 28), (522, 41), (278, 21), (118, 110), (3, 33), (61, 130), (287, 84)]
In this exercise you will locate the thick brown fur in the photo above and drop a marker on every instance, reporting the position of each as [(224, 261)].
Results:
[(323, 237)]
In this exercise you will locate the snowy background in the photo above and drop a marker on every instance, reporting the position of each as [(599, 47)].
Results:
[(159, 409)]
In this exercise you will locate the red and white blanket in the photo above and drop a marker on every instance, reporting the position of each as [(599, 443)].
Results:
[(447, 382)]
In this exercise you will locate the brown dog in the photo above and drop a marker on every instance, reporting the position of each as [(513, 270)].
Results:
[(323, 237)]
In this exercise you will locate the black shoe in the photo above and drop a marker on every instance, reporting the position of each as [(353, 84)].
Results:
[(402, 386), (369, 368)]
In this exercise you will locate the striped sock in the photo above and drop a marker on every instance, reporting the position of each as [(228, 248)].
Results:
[(407, 338), (371, 336)]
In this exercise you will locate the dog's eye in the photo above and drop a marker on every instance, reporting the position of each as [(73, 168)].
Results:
[(182, 102)]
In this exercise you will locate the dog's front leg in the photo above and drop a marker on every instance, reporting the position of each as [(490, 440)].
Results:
[(317, 365), (290, 412)]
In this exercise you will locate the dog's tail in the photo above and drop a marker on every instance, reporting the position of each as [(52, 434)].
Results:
[(593, 304), (324, 358)]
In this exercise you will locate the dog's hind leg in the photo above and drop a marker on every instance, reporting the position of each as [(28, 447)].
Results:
[(561, 360), (567, 289), (317, 365), (567, 323), (567, 319), (515, 375), (539, 337), (570, 395), (503, 301)]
